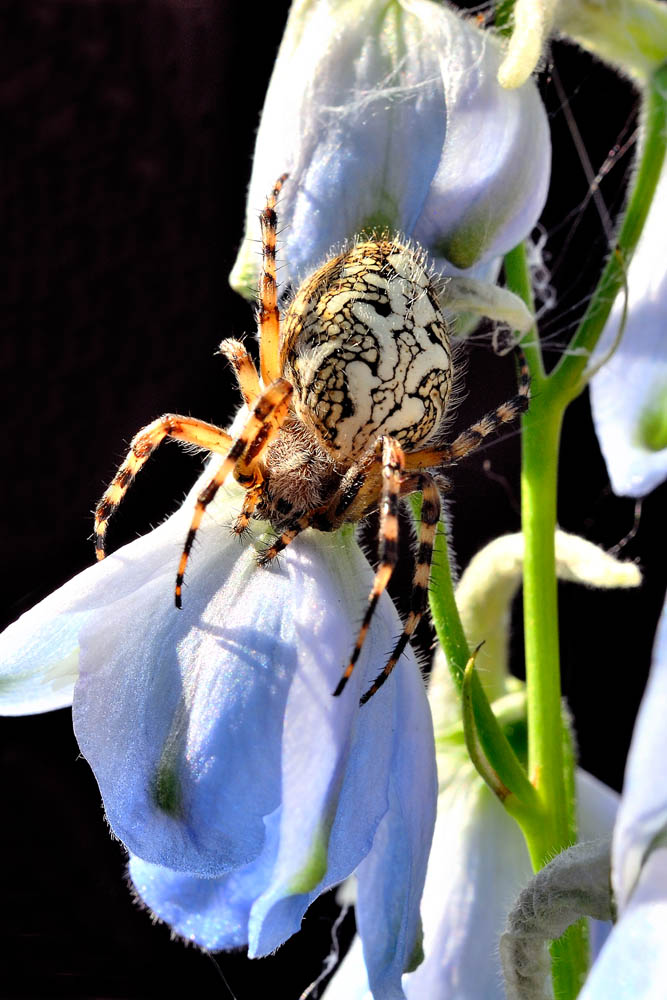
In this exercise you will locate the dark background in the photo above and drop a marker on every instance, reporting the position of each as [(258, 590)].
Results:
[(127, 132)]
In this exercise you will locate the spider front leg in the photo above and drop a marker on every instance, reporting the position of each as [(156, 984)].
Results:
[(141, 448), (392, 469), (243, 457), (269, 314), (430, 515), (244, 369)]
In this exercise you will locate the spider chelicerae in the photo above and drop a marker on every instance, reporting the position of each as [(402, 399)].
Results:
[(346, 413)]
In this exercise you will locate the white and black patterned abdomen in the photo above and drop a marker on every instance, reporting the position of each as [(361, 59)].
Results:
[(367, 349)]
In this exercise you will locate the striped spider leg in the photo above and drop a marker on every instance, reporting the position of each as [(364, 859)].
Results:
[(405, 474), (142, 446), (243, 456)]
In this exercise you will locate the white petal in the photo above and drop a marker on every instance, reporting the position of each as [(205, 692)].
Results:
[(182, 714), (633, 962), (352, 82), (493, 176), (40, 652), (630, 390), (390, 118), (332, 809), (643, 811), (478, 862), (390, 880)]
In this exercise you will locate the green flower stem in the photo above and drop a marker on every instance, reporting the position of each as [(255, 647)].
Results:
[(569, 376), (548, 767), (444, 612), (495, 751), (517, 277), (551, 768), (541, 435)]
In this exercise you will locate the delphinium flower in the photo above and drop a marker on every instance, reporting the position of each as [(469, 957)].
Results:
[(239, 786), (242, 788), (633, 962), (479, 860), (388, 117), (629, 391), (627, 884)]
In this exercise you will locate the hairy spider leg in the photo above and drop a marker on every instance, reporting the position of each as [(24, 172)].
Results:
[(288, 535), (470, 439), (463, 445), (430, 515), (392, 469), (143, 444), (250, 501), (244, 369), (268, 315), (244, 456)]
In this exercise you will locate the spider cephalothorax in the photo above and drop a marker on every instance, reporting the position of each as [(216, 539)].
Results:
[(346, 414)]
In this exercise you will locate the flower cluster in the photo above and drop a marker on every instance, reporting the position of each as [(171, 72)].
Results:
[(241, 789)]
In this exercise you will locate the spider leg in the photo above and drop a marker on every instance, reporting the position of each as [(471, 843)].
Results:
[(264, 422), (293, 529), (430, 516), (392, 469), (250, 501), (244, 369), (143, 444), (269, 315), (470, 439)]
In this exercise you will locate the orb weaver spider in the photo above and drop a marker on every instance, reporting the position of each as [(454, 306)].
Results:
[(345, 415)]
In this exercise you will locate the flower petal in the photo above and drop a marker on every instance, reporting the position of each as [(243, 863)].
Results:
[(163, 696), (210, 912), (217, 743), (633, 962), (182, 715), (331, 813), (391, 879), (40, 651), (376, 112), (643, 811), (350, 82), (480, 212), (478, 864), (327, 769), (629, 392)]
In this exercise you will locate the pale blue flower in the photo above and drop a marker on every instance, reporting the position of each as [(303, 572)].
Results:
[(478, 863), (242, 788), (479, 860), (389, 116), (633, 962), (629, 392)]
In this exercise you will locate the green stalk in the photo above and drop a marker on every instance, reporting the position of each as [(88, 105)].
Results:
[(495, 751), (548, 768), (569, 375)]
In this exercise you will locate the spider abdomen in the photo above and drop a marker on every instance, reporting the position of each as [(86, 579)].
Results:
[(367, 349)]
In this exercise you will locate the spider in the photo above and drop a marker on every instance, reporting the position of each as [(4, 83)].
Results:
[(345, 414)]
